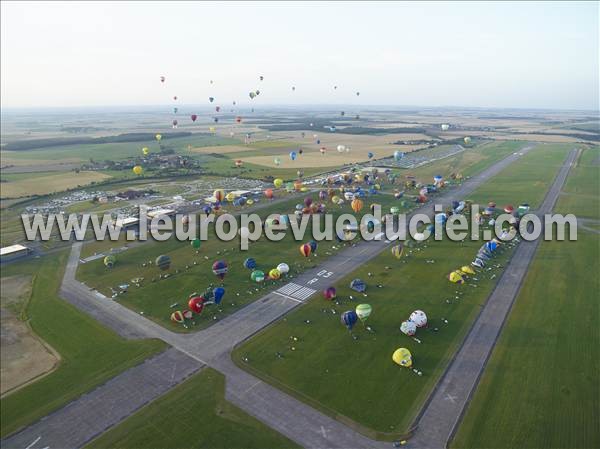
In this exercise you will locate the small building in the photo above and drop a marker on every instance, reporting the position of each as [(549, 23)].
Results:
[(127, 222), (13, 252), (160, 213)]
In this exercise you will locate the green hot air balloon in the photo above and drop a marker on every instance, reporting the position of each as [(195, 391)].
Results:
[(163, 262), (363, 311), (196, 243), (257, 276)]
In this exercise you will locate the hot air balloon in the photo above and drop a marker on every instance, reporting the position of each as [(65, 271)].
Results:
[(158, 137), (145, 151), (257, 276), (218, 294), (397, 251), (269, 193), (419, 318), (305, 249), (445, 127), (219, 195), (274, 274), (238, 163), (293, 87), (409, 328), (175, 97), (349, 319), (363, 311), (250, 263), (467, 269), (220, 269), (196, 304), (277, 161), (193, 117), (163, 262), (341, 148), (398, 155), (357, 205), (419, 236), (188, 314), (109, 261), (252, 95), (456, 277), (357, 94), (329, 293), (174, 123), (323, 150), (467, 140), (196, 243), (162, 79), (402, 357), (278, 183), (177, 317), (283, 268), (293, 155), (370, 155), (138, 170), (358, 285)]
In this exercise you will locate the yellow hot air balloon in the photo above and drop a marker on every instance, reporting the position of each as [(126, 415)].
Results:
[(145, 151), (212, 129), (456, 277), (467, 140), (402, 357), (357, 205), (274, 273), (466, 269), (138, 170), (158, 137), (298, 185), (230, 197), (278, 183), (397, 251), (219, 194)]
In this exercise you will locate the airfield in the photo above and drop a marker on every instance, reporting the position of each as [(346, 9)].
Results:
[(272, 366)]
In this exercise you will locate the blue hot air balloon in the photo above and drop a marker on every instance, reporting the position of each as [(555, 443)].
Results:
[(218, 294), (293, 155), (250, 263), (349, 319)]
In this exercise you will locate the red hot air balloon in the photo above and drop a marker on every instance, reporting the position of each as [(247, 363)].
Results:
[(194, 117), (269, 193), (220, 269), (196, 304), (329, 293), (238, 119), (238, 163), (305, 249)]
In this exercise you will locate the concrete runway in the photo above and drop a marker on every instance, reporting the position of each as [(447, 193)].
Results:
[(294, 419)]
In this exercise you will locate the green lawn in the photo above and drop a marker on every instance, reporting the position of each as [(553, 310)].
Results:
[(155, 296), (582, 190), (328, 364), (541, 385), (193, 415), (527, 180), (90, 354)]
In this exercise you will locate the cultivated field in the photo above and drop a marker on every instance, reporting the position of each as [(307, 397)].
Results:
[(23, 185)]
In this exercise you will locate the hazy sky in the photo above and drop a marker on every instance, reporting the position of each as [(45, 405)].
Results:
[(542, 55)]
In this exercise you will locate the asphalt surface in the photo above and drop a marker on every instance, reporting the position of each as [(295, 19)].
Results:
[(294, 419), (90, 415), (445, 407)]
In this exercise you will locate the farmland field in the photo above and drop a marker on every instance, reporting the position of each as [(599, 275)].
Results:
[(90, 354), (14, 186), (193, 415), (581, 193)]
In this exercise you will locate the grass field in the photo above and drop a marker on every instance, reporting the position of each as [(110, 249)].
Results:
[(541, 385), (90, 354), (154, 298), (327, 363), (582, 190), (526, 180), (193, 415)]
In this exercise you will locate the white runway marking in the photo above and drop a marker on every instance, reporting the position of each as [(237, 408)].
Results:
[(34, 442), (295, 292), (287, 296)]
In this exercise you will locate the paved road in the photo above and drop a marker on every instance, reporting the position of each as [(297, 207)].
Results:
[(212, 346), (445, 407), (90, 415)]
